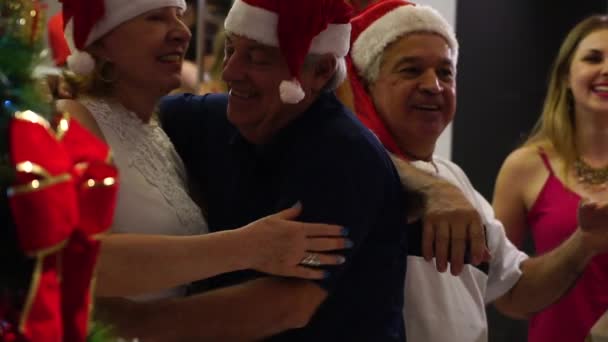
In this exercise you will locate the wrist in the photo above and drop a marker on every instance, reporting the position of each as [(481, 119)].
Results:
[(240, 247), (582, 251), (229, 248), (434, 187)]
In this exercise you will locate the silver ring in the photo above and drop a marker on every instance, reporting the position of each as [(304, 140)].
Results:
[(311, 259)]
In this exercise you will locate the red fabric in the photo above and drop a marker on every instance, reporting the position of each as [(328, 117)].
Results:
[(96, 206), (44, 320), (300, 21), (372, 13), (56, 35), (36, 26), (85, 15), (364, 106), (42, 149), (70, 210), (360, 6), (367, 114), (78, 264), (552, 219)]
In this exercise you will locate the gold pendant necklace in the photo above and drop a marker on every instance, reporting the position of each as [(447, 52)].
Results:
[(586, 174)]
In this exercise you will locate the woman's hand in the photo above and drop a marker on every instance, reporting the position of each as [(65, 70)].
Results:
[(593, 222), (277, 244)]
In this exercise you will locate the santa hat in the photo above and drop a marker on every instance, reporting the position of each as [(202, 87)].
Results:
[(91, 19), (297, 27), (373, 30), (56, 37), (386, 21)]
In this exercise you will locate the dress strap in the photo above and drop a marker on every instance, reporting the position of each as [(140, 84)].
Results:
[(545, 158)]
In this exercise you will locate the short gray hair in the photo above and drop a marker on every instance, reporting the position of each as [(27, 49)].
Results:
[(339, 74), (370, 75)]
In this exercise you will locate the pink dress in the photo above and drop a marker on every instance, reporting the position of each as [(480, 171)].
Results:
[(552, 220)]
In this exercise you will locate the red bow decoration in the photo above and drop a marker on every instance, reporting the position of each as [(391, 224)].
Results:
[(63, 198), (86, 13)]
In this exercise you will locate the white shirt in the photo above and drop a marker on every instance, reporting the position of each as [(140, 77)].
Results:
[(152, 195), (441, 307)]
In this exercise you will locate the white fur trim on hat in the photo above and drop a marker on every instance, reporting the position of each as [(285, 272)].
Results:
[(119, 11), (394, 24), (291, 91), (81, 63), (260, 25)]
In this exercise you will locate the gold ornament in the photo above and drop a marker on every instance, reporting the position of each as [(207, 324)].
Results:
[(23, 20), (589, 175)]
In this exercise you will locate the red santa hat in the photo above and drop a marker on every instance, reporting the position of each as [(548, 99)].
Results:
[(297, 27), (386, 21), (373, 30), (56, 37), (92, 19)]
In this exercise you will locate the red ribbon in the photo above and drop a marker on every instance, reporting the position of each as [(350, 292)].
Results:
[(85, 14), (35, 21), (63, 198), (366, 111)]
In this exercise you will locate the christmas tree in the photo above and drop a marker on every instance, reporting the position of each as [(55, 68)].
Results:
[(20, 35), (51, 178)]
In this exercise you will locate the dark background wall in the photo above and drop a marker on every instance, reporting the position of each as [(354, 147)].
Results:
[(506, 51)]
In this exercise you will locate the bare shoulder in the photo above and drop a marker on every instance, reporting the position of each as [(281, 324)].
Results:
[(523, 161), (518, 183), (524, 173), (79, 112)]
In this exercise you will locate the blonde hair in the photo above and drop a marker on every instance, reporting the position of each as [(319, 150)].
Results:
[(556, 126)]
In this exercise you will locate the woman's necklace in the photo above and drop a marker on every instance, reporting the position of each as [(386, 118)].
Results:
[(595, 177)]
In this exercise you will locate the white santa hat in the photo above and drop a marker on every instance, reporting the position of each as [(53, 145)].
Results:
[(92, 19), (386, 21), (297, 27)]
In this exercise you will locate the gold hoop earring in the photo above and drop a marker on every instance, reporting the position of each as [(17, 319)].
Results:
[(104, 72)]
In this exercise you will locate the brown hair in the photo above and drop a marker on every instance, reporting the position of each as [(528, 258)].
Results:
[(556, 126)]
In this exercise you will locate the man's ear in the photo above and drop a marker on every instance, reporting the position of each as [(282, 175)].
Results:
[(323, 71)]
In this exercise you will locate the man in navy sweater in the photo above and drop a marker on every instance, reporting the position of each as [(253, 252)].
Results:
[(281, 137)]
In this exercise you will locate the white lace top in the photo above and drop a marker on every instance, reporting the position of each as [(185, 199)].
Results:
[(152, 197)]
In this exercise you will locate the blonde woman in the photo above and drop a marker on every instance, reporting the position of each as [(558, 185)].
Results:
[(541, 184)]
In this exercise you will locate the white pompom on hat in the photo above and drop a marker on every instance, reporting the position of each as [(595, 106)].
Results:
[(386, 21), (92, 19), (297, 27)]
